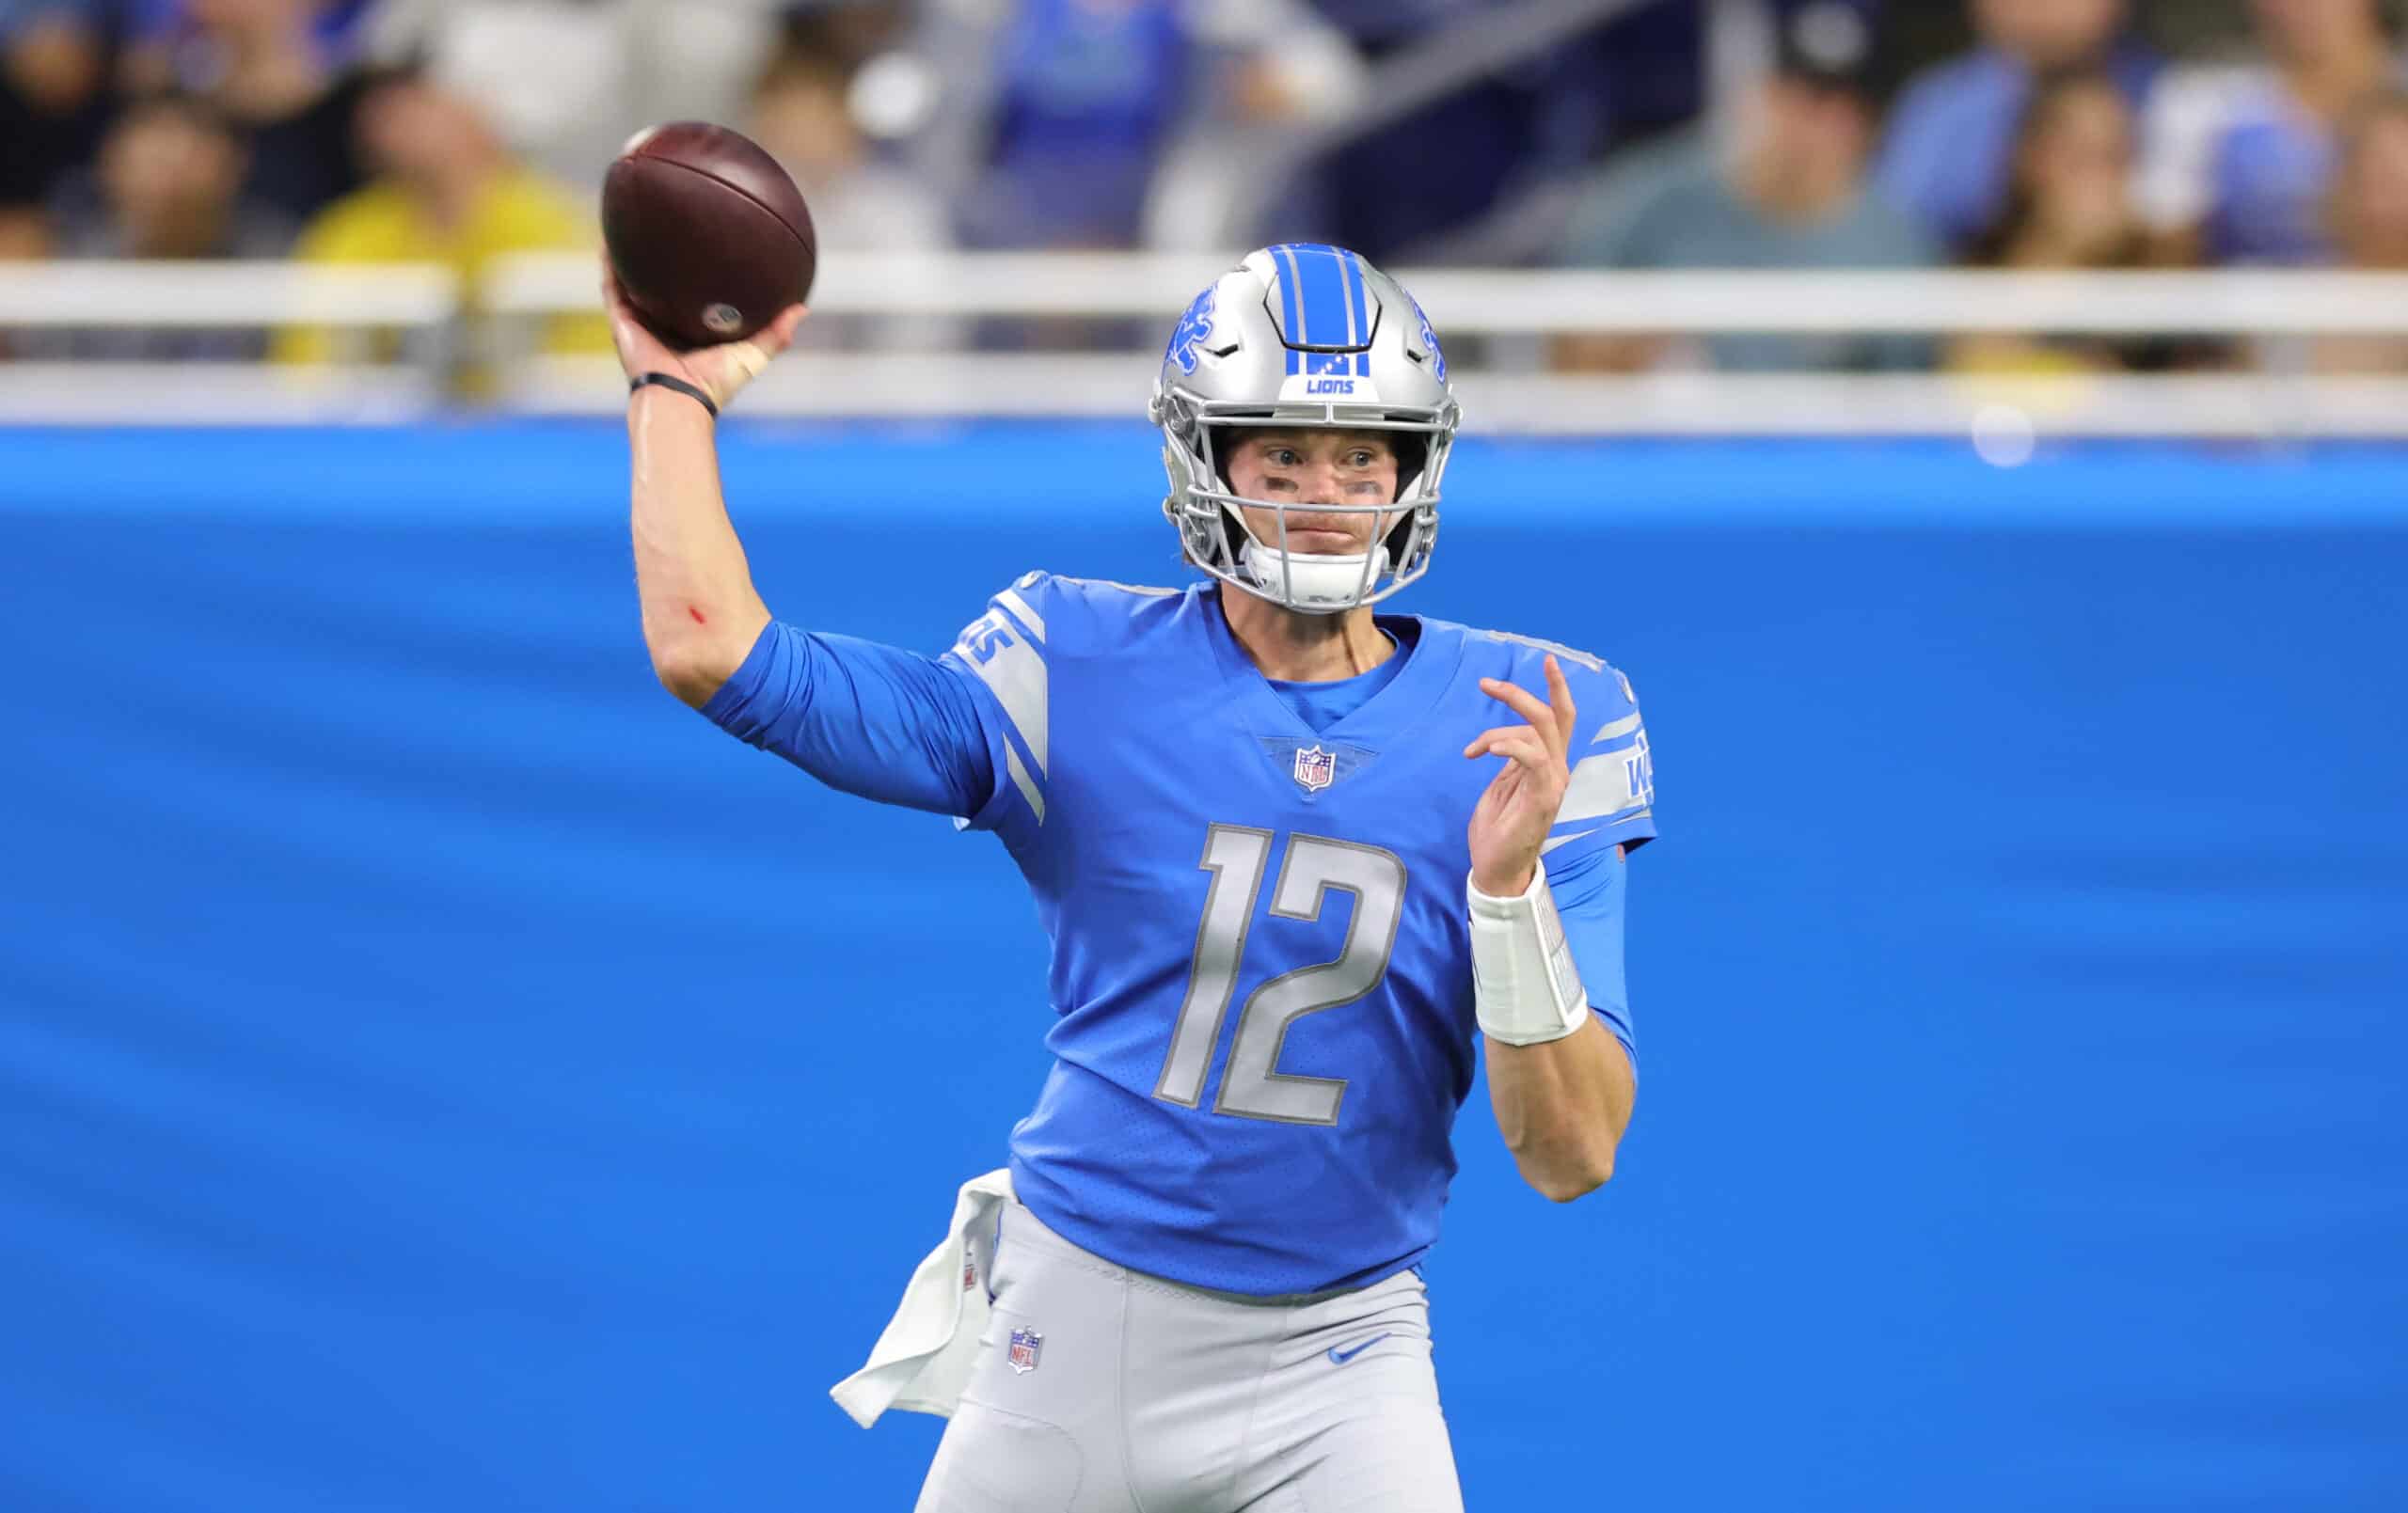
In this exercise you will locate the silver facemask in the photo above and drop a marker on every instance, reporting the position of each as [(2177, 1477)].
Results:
[(1304, 336)]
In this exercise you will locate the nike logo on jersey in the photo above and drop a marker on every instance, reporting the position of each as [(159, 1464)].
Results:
[(1338, 1357)]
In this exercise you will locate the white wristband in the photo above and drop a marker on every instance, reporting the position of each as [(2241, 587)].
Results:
[(1524, 983)]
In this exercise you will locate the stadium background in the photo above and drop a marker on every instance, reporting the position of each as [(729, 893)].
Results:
[(437, 1072)]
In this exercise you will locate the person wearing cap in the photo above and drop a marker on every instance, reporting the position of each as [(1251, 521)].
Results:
[(1786, 191)]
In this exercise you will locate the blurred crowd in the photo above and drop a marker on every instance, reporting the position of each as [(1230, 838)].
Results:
[(1809, 133), (2064, 138)]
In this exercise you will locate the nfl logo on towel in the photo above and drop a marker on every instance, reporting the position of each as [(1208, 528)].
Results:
[(1025, 1343), (1315, 768)]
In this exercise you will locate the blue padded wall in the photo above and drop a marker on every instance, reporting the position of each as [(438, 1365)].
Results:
[(437, 1072)]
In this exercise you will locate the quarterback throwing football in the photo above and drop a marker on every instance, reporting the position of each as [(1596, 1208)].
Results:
[(1289, 888)]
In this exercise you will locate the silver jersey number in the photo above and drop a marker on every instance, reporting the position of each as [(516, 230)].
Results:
[(1253, 1087)]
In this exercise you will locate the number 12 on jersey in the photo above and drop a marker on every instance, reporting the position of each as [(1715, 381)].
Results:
[(1252, 1087)]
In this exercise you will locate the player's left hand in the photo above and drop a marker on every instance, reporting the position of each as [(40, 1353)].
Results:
[(1511, 822)]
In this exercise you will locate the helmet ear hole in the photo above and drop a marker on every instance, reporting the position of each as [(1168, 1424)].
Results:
[(1412, 454), (1232, 440)]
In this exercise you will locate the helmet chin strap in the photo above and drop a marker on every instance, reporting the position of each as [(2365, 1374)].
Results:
[(1313, 585)]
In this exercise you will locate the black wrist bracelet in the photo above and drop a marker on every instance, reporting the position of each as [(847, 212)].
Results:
[(670, 381)]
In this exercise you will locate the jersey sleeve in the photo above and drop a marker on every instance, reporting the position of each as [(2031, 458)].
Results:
[(1588, 895), (1001, 657), (875, 720), (1610, 800)]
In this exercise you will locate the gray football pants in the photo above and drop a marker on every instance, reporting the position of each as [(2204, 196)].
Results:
[(1140, 1396)]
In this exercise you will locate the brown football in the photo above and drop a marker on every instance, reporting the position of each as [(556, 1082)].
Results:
[(709, 237)]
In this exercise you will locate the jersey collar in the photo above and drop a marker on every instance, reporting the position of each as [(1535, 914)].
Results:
[(1430, 664)]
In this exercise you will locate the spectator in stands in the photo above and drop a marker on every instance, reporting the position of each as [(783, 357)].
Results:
[(1792, 195), (845, 33), (1086, 91), (2067, 206), (1474, 172), (54, 56), (445, 191), (557, 79), (168, 184), (2237, 160), (801, 114), (564, 83), (2368, 217), (1946, 159), (2069, 182), (264, 65)]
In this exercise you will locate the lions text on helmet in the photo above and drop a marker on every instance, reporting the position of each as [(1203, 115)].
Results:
[(1300, 342)]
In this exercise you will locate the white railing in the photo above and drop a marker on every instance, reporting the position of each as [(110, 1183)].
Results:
[(198, 295), (1505, 316), (420, 302), (1500, 302)]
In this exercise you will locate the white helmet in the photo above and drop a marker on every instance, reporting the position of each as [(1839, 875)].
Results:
[(1304, 335)]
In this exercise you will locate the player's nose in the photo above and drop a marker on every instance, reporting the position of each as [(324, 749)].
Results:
[(1322, 486)]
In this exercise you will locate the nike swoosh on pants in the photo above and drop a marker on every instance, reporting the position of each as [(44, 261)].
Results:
[(1342, 1357)]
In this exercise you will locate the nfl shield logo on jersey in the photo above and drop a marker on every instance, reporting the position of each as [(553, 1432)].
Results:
[(1315, 768), (1025, 1343)]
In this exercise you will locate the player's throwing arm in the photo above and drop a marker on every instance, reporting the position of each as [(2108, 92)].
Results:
[(701, 612)]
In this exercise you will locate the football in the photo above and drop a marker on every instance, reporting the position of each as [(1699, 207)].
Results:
[(709, 237)]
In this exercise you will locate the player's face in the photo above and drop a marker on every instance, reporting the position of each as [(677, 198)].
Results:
[(1305, 467)]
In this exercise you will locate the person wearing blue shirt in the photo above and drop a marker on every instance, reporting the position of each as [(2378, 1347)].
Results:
[(1302, 862), (1948, 154), (1086, 97), (2237, 158)]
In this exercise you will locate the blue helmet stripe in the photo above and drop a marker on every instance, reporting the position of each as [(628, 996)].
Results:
[(1325, 295), (1289, 282), (1325, 305)]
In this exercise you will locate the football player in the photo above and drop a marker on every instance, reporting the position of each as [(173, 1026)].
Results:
[(1299, 860)]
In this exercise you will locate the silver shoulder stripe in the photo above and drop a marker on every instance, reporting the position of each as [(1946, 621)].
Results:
[(1024, 614), (1618, 729), (1554, 841), (1625, 819), (1145, 589), (1016, 672), (1026, 784), (1600, 785), (1569, 653)]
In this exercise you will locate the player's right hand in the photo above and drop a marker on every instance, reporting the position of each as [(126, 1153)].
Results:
[(719, 371)]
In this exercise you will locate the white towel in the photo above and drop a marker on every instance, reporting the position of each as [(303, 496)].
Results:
[(922, 1362)]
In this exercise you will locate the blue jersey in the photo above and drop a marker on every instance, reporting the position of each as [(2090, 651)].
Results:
[(1261, 960)]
